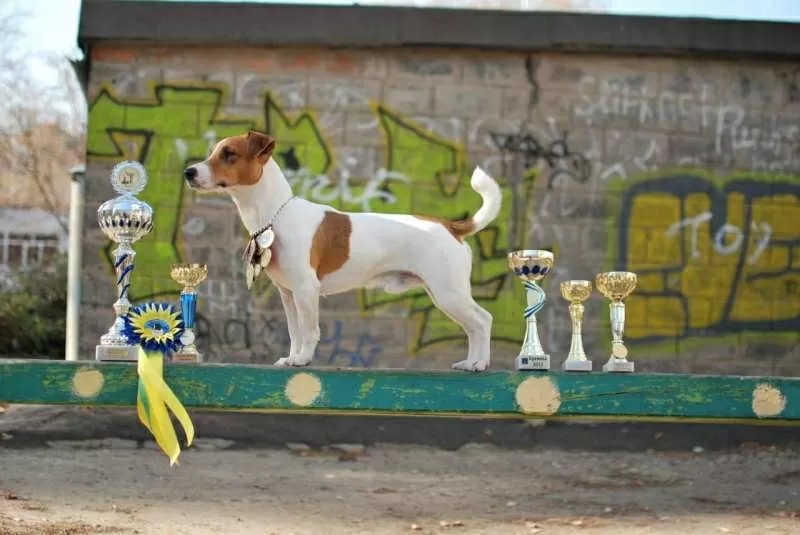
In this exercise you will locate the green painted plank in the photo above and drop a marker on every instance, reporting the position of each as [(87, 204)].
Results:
[(496, 394)]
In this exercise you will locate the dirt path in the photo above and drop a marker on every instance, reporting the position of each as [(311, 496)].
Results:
[(68, 490)]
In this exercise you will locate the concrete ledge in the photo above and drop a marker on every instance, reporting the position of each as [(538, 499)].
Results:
[(360, 26), (496, 394)]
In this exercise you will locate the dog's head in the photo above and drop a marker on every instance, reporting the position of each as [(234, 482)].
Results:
[(234, 161)]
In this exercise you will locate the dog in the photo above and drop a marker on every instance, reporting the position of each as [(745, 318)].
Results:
[(317, 250)]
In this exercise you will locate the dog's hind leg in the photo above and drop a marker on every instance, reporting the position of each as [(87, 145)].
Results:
[(453, 296)]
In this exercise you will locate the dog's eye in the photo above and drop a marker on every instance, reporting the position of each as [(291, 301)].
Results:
[(228, 156)]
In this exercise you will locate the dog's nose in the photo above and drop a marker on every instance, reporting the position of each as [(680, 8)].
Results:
[(190, 173)]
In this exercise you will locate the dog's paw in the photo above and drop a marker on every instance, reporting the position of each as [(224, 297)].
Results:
[(472, 365), (291, 362)]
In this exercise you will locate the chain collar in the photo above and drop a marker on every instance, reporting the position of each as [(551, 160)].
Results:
[(260, 231), (251, 253)]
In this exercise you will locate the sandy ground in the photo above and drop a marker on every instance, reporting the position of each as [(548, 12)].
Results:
[(87, 488)]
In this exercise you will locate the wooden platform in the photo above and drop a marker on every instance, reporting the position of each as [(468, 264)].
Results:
[(500, 394)]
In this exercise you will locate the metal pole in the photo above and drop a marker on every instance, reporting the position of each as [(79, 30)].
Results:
[(74, 261)]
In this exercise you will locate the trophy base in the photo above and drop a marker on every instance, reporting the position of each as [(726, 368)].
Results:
[(126, 353), (577, 366), (533, 362), (615, 365), (187, 357)]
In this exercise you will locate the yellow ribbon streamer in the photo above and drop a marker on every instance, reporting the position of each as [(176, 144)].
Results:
[(153, 398)]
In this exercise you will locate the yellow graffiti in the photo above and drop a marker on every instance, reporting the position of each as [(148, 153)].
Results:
[(713, 256)]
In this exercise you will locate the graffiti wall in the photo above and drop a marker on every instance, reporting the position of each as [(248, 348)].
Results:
[(685, 171)]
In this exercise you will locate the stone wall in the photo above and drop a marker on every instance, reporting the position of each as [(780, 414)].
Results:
[(686, 171)]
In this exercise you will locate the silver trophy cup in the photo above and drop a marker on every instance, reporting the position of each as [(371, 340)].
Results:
[(125, 220)]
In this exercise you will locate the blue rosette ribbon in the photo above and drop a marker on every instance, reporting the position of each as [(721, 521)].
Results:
[(156, 328)]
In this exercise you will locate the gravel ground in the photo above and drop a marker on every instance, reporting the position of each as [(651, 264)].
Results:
[(116, 486)]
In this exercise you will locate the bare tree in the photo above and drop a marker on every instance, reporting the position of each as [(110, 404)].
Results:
[(42, 119)]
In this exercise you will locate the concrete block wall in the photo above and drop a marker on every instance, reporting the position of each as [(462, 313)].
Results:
[(686, 171)]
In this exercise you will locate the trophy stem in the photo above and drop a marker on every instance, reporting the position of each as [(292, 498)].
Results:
[(576, 358), (618, 361), (617, 315), (532, 355), (114, 344), (189, 352)]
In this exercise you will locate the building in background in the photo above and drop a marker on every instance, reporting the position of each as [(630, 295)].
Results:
[(35, 181), (668, 147)]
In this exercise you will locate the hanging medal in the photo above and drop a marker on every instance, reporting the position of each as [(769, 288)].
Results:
[(250, 275), (265, 241), (258, 254)]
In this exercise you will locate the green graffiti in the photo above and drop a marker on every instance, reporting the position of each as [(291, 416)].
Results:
[(440, 186), (424, 174), (301, 143), (150, 132)]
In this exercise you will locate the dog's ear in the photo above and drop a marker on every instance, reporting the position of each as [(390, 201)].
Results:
[(260, 146)]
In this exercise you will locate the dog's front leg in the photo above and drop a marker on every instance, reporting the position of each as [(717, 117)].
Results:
[(287, 299), (306, 305)]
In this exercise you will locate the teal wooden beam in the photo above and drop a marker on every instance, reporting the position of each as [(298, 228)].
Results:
[(498, 394)]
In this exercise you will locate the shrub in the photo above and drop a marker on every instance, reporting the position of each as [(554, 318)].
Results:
[(33, 313)]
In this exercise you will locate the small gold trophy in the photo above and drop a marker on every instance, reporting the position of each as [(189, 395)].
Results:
[(576, 292), (190, 275), (616, 286)]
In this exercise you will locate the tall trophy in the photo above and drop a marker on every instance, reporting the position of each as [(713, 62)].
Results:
[(125, 220), (576, 292), (531, 266), (616, 286), (190, 275)]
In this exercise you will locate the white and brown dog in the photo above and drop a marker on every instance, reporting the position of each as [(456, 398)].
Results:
[(319, 251)]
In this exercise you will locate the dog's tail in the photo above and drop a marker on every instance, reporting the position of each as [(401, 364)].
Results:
[(492, 196)]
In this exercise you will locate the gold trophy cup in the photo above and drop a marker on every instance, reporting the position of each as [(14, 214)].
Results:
[(576, 292), (616, 286), (531, 266), (190, 275)]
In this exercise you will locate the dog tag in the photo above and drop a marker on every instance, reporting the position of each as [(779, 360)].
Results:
[(250, 275), (249, 252), (266, 238), (256, 270), (266, 256)]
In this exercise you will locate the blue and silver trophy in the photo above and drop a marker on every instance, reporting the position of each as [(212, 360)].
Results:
[(125, 220), (190, 275), (531, 266)]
